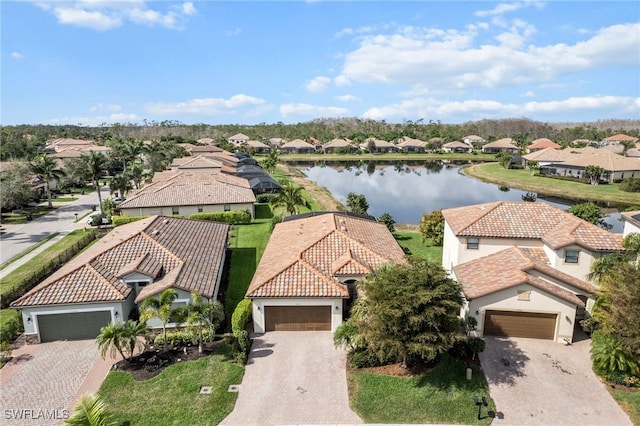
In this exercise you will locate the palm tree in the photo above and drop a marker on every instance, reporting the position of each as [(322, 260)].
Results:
[(290, 197), (90, 410), (120, 338), (97, 165), (201, 314), (120, 183), (137, 173), (271, 160), (46, 169), (161, 309)]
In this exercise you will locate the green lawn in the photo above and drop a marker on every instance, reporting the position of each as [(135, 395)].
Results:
[(28, 269), (441, 396), (19, 219), (411, 242), (172, 397), (522, 179), (630, 402)]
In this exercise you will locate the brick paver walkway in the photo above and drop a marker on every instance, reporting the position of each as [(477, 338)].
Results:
[(43, 386)]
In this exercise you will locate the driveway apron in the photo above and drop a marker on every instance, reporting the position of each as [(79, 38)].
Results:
[(541, 382), (294, 378), (46, 382)]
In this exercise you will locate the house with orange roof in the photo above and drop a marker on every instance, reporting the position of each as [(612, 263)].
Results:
[(186, 193), (457, 146), (407, 144), (306, 276), (339, 145), (133, 262), (501, 145), (619, 138), (195, 164), (377, 145), (258, 146), (616, 167), (542, 143), (524, 267), (238, 139)]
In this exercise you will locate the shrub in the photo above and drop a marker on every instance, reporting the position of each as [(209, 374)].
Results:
[(609, 356), (122, 220), (630, 184), (182, 337), (234, 217), (365, 359), (276, 219), (11, 325), (265, 198), (241, 316), (476, 345)]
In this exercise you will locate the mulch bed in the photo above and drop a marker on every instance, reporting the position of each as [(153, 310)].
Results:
[(413, 370), (153, 360)]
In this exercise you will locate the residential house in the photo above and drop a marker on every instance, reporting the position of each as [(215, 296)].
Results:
[(258, 147), (631, 222), (182, 193), (196, 164), (524, 267), (238, 139), (135, 261), (474, 140), (542, 143), (297, 146), (60, 144), (501, 145), (277, 142), (307, 273), (377, 146), (407, 144), (207, 141), (619, 138), (457, 146), (340, 146), (616, 167)]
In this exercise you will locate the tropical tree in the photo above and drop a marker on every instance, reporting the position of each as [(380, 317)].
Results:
[(160, 308), (271, 160), (432, 226), (202, 314), (96, 165), (121, 183), (90, 410), (121, 338), (290, 198), (137, 174), (45, 168), (76, 172), (411, 311), (388, 220), (590, 212), (357, 203), (15, 186), (594, 173), (534, 167)]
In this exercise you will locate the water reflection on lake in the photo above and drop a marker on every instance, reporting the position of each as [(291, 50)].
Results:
[(408, 190)]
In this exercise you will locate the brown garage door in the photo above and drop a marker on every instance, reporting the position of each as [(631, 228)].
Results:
[(519, 324), (297, 318)]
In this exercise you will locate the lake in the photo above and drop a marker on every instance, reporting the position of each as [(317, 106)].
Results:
[(407, 190)]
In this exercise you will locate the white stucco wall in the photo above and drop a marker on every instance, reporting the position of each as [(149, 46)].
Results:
[(630, 228), (259, 304), (579, 270), (185, 211), (184, 297), (540, 302)]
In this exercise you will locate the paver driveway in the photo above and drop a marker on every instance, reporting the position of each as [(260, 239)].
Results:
[(295, 377), (541, 382), (43, 386)]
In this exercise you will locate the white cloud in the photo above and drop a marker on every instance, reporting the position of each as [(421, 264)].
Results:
[(17, 55), (234, 32), (317, 84), (505, 7), (102, 15), (96, 120), (307, 110), (205, 106), (347, 98), (414, 57), (106, 107)]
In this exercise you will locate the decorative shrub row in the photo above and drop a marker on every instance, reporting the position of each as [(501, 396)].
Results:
[(364, 359), (241, 316), (122, 220), (630, 185), (183, 337), (234, 217), (10, 326)]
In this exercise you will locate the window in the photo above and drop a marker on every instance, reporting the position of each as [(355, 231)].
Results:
[(227, 207), (473, 243), (200, 210), (175, 210), (571, 256), (524, 296)]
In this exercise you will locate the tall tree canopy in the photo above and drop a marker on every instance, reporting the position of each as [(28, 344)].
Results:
[(357, 203), (409, 311), (432, 226), (590, 212), (44, 167), (16, 189)]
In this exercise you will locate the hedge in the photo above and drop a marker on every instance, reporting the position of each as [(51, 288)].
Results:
[(10, 325), (122, 220), (234, 217), (241, 316), (183, 337)]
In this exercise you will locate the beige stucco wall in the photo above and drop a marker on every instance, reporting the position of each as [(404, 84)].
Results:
[(185, 211), (540, 302), (259, 304), (579, 270)]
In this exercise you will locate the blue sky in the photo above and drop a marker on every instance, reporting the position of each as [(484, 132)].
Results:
[(98, 61)]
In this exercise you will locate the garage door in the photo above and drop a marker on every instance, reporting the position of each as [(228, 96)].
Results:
[(520, 324), (76, 326), (297, 318)]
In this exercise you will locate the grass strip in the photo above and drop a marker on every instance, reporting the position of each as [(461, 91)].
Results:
[(27, 251)]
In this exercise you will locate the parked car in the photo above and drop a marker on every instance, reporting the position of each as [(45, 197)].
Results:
[(96, 219), (118, 200)]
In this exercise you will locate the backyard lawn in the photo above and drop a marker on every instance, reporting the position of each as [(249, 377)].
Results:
[(411, 242), (630, 402), (173, 397), (442, 395), (522, 179)]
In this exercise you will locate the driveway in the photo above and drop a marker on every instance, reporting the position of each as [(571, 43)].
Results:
[(294, 377), (43, 381), (536, 381)]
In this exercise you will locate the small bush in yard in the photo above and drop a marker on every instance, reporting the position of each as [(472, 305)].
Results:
[(11, 325), (476, 345), (241, 316), (630, 185), (234, 217), (182, 338), (365, 359), (122, 220)]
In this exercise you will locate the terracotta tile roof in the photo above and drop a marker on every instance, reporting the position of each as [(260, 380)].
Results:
[(408, 142), (305, 255), (608, 160), (181, 253), (501, 143), (543, 143), (521, 220), (457, 144), (620, 137), (550, 155), (474, 138), (510, 268), (239, 136), (257, 144), (338, 143), (297, 143), (198, 162), (190, 189), (378, 143)]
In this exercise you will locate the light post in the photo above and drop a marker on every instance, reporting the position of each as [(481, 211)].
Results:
[(480, 402), (76, 216)]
